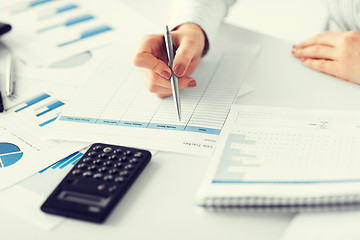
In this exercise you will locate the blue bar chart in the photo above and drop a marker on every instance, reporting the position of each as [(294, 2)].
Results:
[(42, 108), (30, 5), (32, 101), (87, 34), (68, 23), (52, 175), (53, 12), (69, 161), (49, 31)]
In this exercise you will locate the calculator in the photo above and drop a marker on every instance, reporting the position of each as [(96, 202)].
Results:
[(97, 182)]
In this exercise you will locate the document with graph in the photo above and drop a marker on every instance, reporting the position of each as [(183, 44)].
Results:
[(23, 151), (115, 107), (281, 158), (46, 31)]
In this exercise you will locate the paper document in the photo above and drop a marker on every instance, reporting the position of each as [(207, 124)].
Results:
[(35, 190), (22, 150), (289, 154), (114, 106), (47, 31)]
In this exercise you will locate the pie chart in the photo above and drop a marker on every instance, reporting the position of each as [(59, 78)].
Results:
[(9, 154)]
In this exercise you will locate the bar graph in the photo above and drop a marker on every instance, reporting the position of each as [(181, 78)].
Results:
[(52, 175), (29, 5), (68, 23), (48, 31), (87, 34), (49, 107), (49, 13), (42, 109), (32, 101), (71, 160)]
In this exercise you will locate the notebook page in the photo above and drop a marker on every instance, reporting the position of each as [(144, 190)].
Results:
[(285, 153)]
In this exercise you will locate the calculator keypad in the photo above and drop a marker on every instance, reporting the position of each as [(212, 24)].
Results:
[(108, 167)]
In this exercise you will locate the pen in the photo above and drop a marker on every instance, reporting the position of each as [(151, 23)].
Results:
[(9, 77), (173, 78)]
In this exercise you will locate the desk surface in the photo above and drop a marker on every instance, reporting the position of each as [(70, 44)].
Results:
[(160, 205)]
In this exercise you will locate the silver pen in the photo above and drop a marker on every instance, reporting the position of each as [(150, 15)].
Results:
[(173, 78), (9, 76)]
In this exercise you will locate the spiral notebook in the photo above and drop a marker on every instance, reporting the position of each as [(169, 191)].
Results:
[(282, 159)]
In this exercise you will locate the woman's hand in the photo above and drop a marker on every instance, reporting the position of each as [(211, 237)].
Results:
[(189, 43), (333, 53)]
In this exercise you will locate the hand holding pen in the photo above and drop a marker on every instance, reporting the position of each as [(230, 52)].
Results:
[(151, 57)]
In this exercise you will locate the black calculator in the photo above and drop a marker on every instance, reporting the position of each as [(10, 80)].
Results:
[(97, 182)]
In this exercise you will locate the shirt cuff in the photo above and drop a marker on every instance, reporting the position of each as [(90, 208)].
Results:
[(208, 14)]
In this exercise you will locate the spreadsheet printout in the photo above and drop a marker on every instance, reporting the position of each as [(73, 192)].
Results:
[(114, 106)]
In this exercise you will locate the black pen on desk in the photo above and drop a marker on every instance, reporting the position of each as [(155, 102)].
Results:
[(174, 80)]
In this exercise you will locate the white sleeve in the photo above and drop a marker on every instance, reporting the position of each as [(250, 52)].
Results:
[(208, 14)]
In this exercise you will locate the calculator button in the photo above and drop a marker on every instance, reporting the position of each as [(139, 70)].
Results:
[(117, 151), (122, 159), (82, 166), (97, 175), (87, 174), (127, 153), (102, 169), (133, 160), (138, 154), (76, 172), (97, 148), (92, 154), (108, 177), (102, 155), (112, 188), (129, 166), (113, 171), (101, 187), (87, 159), (97, 161), (107, 149), (112, 157), (123, 173), (119, 179), (92, 168), (118, 165), (108, 163)]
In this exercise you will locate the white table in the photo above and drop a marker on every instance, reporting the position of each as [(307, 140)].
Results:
[(160, 205)]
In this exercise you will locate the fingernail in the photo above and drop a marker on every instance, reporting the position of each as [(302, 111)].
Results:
[(166, 74), (192, 83), (302, 59), (179, 69)]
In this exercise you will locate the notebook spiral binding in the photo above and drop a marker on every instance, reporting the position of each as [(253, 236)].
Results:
[(282, 205)]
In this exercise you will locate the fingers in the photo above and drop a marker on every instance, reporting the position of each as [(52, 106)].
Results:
[(325, 66), (326, 38), (148, 61), (150, 54), (162, 87), (185, 54), (316, 51)]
